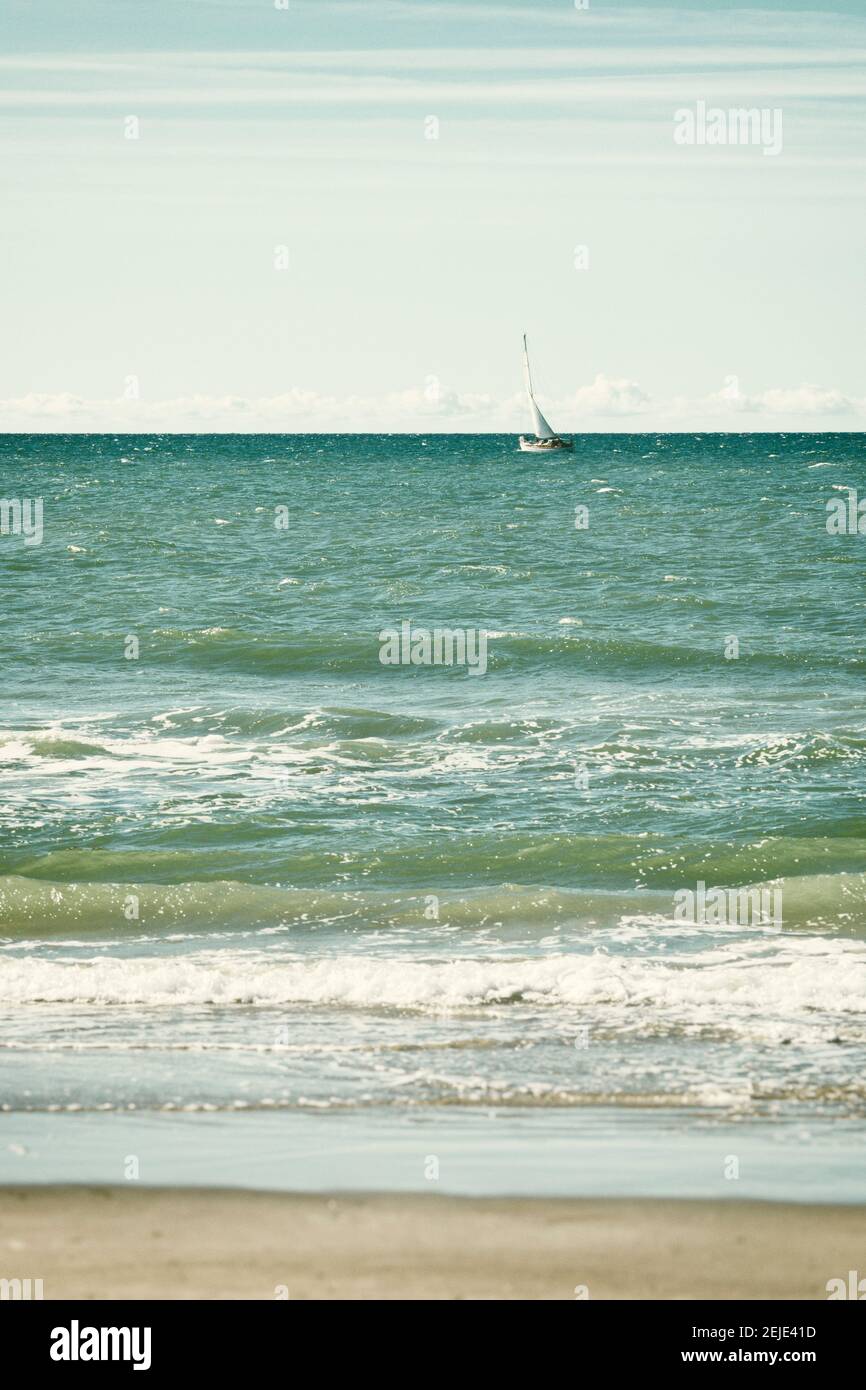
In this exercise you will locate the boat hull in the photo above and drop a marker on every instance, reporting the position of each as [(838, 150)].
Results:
[(544, 446)]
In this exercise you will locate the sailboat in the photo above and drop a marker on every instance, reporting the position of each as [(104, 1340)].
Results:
[(545, 438)]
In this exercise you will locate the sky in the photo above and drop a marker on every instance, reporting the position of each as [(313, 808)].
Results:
[(343, 215)]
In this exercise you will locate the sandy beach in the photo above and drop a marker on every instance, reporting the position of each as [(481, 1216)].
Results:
[(108, 1242)]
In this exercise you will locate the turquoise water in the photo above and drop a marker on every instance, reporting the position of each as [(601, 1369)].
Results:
[(253, 880)]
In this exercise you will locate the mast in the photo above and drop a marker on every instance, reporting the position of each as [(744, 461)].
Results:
[(526, 364), (543, 430)]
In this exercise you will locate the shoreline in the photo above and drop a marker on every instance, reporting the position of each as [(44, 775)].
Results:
[(101, 1242)]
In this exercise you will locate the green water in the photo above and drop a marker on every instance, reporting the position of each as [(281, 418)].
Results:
[(246, 866)]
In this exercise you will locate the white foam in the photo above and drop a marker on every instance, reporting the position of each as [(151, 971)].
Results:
[(756, 987)]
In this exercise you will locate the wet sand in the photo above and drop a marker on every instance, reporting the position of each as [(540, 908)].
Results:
[(176, 1243)]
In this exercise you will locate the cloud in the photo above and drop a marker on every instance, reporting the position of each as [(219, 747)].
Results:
[(298, 409), (805, 400), (605, 404), (610, 396), (63, 405), (598, 61)]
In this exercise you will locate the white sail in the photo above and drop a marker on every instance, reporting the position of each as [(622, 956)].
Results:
[(540, 425), (541, 428)]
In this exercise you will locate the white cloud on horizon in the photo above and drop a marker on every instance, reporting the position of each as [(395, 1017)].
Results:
[(606, 404), (611, 396), (807, 399)]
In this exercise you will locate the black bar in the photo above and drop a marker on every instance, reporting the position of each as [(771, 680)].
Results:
[(247, 1338)]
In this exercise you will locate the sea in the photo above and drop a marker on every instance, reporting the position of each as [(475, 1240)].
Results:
[(289, 900)]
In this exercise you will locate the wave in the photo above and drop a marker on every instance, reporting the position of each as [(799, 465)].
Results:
[(301, 847), (245, 651), (749, 989), (365, 733), (186, 733), (32, 908)]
